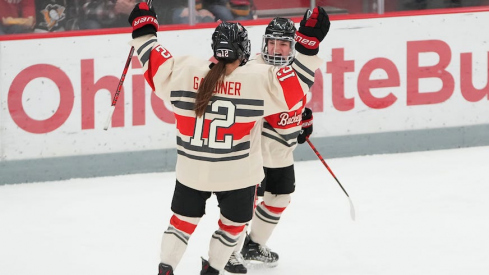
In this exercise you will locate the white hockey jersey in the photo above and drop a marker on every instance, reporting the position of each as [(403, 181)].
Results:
[(221, 150), (280, 131)]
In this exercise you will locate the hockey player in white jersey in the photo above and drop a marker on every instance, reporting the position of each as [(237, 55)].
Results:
[(280, 135), (218, 110)]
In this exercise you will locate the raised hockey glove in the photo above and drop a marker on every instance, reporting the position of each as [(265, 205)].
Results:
[(306, 130), (313, 29), (143, 20)]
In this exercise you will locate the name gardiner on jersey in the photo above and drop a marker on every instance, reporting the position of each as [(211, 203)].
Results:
[(306, 41), (222, 87), (286, 119)]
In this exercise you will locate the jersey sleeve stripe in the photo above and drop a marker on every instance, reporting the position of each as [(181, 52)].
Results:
[(281, 141), (144, 51), (305, 74), (145, 57), (305, 79), (290, 136), (304, 68), (146, 44)]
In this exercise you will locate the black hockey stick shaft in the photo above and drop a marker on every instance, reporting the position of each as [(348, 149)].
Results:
[(352, 208), (121, 82), (326, 165), (123, 77)]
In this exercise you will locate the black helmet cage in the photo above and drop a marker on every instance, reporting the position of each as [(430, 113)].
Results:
[(230, 42), (279, 29)]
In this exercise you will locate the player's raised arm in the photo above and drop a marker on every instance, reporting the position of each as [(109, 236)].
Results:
[(292, 82), (156, 60), (312, 30)]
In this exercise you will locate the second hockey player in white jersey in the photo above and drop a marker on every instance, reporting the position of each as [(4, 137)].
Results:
[(280, 135)]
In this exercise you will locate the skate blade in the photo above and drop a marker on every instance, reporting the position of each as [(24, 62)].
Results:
[(259, 265), (230, 273)]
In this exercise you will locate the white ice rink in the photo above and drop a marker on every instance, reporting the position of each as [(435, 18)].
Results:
[(417, 214)]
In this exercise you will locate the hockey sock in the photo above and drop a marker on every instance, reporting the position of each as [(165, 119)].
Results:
[(241, 239), (175, 239), (267, 216), (223, 242)]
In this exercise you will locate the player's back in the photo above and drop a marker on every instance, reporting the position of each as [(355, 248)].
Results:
[(221, 149)]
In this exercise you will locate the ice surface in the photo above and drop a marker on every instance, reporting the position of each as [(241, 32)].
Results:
[(416, 213)]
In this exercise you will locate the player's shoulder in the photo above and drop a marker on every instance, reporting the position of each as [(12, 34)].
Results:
[(258, 71), (189, 62), (257, 59), (256, 65), (190, 59)]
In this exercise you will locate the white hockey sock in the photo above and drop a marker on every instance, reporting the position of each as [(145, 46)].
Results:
[(175, 239), (223, 242), (241, 239), (267, 216)]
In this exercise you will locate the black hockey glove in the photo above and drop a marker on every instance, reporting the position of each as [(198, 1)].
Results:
[(306, 130), (143, 20), (313, 29)]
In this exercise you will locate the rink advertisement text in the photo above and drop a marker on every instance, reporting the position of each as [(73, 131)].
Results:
[(339, 66), (336, 68)]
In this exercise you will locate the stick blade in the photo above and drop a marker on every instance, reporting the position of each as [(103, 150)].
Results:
[(109, 117), (352, 209)]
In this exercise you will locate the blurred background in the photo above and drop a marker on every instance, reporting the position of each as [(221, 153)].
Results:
[(38, 16)]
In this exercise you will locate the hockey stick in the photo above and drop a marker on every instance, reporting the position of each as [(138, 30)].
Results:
[(119, 86), (352, 208)]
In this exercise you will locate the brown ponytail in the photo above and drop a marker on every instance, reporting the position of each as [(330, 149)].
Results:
[(208, 85)]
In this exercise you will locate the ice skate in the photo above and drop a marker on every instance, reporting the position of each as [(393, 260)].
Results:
[(207, 269), (164, 269), (235, 264), (256, 255)]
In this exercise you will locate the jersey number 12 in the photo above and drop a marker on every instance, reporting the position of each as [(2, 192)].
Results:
[(215, 124)]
